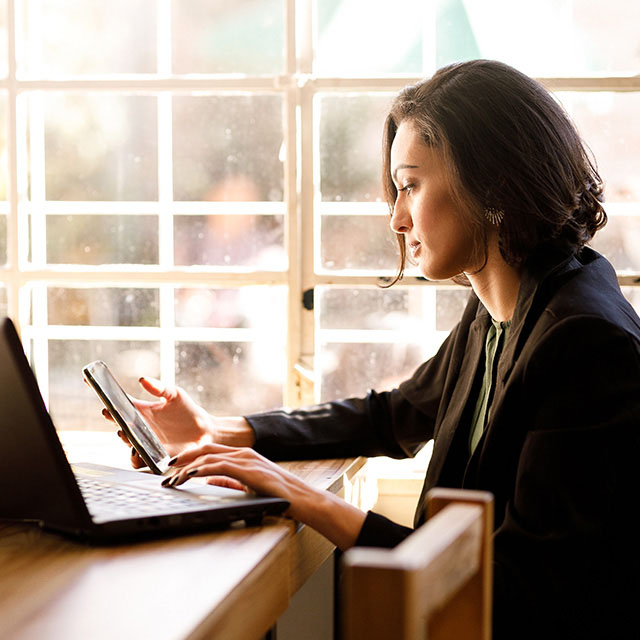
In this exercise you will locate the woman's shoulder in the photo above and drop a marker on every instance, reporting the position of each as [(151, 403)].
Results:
[(585, 291)]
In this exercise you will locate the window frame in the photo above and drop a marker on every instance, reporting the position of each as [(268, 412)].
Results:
[(299, 87)]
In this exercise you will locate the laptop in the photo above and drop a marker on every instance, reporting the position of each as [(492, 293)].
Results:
[(91, 502)]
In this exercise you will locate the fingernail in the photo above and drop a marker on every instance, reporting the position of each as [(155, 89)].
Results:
[(174, 480), (192, 472), (172, 461), (166, 481), (133, 451)]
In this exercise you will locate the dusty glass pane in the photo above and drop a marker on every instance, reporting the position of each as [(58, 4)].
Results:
[(103, 306), (361, 308), (349, 370), (3, 38), (358, 242), (415, 37), (619, 241), (232, 378), (608, 122), (411, 323), (3, 239), (97, 146), (350, 146), (261, 308), (218, 36), (400, 309), (370, 37), (228, 148), (632, 294), (4, 173), (219, 240), (80, 37), (450, 304), (577, 34), (97, 239), (71, 402)]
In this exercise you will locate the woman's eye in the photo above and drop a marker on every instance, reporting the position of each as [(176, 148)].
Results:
[(407, 188)]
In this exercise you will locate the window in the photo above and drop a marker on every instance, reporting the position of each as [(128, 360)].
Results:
[(190, 189)]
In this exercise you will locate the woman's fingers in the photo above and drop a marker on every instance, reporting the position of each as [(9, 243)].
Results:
[(157, 389), (136, 461), (189, 455), (242, 465), (228, 483)]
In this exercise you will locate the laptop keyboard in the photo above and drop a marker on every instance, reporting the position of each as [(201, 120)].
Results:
[(104, 498)]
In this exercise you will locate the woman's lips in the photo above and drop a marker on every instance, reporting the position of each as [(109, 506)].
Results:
[(414, 248)]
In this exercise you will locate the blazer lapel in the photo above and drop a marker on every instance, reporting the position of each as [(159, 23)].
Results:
[(454, 409)]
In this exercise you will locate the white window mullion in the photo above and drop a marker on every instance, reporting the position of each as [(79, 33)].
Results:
[(308, 224), (36, 168), (13, 246), (165, 195)]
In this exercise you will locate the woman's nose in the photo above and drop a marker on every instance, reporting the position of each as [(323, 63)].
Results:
[(400, 219)]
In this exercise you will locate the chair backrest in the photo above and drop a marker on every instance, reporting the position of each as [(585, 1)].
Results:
[(437, 583)]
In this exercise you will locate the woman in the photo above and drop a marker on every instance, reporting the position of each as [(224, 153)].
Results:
[(534, 396)]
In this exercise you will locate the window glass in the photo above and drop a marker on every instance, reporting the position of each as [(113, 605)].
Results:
[(350, 133), (100, 239), (633, 296), (228, 148), (4, 309), (103, 306), (350, 369), (255, 241), (3, 38), (350, 146), (576, 33), (231, 378), (72, 403), (358, 242), (83, 37), (607, 122), (259, 308), (4, 174), (609, 125), (217, 36), (96, 146), (3, 239), (367, 335), (619, 241), (415, 37), (389, 36), (243, 369)]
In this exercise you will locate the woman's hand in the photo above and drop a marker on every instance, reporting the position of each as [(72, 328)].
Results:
[(245, 469), (181, 423)]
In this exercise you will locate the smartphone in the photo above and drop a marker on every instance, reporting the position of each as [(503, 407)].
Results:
[(128, 418)]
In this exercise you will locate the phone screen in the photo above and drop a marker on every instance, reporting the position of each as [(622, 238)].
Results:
[(127, 416)]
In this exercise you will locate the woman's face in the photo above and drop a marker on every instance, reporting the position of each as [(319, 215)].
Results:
[(437, 238)]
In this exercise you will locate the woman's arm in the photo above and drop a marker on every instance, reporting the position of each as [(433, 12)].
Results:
[(244, 468)]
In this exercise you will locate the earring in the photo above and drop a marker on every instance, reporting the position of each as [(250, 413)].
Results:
[(493, 215)]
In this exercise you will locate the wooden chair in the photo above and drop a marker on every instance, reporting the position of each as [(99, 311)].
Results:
[(436, 584)]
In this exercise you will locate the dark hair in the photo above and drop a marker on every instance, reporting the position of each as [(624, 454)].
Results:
[(507, 145)]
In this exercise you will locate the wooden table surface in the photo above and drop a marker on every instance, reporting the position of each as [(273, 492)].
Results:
[(226, 584)]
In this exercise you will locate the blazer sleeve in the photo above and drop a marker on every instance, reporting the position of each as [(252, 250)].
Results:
[(393, 423)]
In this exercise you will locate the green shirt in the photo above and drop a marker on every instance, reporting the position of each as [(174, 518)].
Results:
[(496, 337)]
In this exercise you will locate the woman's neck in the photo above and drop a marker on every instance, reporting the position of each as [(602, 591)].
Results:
[(496, 284)]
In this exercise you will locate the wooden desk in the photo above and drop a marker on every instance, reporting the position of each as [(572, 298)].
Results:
[(230, 584)]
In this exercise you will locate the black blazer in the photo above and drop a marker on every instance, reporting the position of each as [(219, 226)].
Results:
[(560, 451)]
